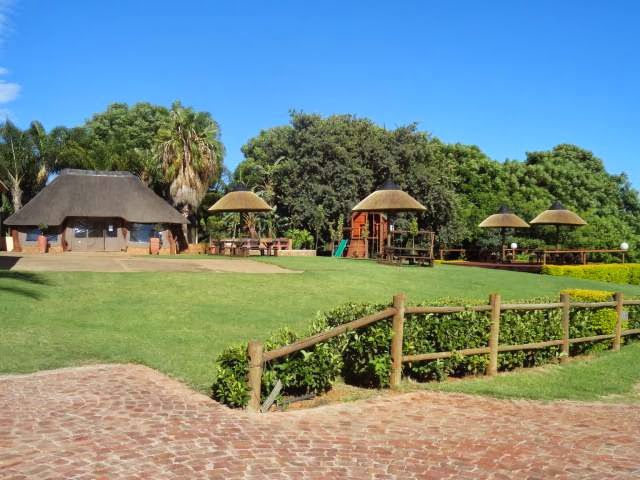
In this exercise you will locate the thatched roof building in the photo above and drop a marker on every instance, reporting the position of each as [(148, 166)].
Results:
[(88, 193), (95, 211)]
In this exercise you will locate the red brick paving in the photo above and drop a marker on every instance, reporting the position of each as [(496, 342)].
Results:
[(126, 421)]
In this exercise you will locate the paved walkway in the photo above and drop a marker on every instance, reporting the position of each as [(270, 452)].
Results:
[(124, 421), (107, 262)]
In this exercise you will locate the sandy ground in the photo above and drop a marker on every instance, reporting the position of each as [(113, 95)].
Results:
[(106, 262)]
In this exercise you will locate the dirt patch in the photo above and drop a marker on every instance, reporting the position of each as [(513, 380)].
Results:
[(105, 262)]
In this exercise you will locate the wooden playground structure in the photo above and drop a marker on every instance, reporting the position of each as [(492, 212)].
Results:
[(368, 237)]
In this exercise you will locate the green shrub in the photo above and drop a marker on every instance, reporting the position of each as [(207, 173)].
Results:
[(591, 322), (363, 356), (366, 354), (306, 371), (627, 273), (367, 351), (300, 238)]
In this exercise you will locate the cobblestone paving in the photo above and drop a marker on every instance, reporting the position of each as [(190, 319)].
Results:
[(125, 421)]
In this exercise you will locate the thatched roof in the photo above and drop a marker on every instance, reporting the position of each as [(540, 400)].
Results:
[(240, 200), (389, 198), (88, 193), (558, 215), (503, 219)]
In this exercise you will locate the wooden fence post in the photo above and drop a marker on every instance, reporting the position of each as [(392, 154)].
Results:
[(619, 313), (255, 352), (565, 299), (399, 301), (494, 336)]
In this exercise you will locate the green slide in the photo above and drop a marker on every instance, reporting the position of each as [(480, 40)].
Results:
[(340, 250)]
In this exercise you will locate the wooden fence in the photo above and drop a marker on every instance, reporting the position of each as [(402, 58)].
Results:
[(399, 312)]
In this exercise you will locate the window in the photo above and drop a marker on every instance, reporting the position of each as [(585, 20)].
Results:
[(34, 233), (142, 232)]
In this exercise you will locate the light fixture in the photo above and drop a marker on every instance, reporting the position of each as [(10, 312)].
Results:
[(624, 246), (514, 245)]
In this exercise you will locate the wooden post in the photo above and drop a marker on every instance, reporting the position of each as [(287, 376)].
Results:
[(399, 301), (494, 336), (565, 299), (255, 352), (619, 313)]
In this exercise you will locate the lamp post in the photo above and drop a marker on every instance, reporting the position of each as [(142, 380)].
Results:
[(624, 246)]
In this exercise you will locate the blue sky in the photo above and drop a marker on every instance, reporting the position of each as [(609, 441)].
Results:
[(510, 76)]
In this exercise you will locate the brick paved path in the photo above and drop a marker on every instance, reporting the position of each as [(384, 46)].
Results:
[(124, 421)]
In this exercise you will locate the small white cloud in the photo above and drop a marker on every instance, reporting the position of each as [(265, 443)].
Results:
[(6, 7), (8, 91), (3, 71)]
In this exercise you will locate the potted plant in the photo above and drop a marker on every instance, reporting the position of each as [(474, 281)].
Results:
[(42, 238), (155, 240)]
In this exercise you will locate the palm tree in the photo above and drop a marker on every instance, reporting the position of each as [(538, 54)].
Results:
[(15, 161), (190, 152)]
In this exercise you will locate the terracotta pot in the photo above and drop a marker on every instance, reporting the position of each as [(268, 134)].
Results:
[(42, 244), (154, 246)]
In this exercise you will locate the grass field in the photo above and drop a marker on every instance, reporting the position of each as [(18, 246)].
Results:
[(179, 322), (607, 376)]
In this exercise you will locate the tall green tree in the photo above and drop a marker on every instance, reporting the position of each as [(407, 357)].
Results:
[(191, 154), (336, 161)]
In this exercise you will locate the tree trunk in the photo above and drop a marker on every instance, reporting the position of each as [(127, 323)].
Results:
[(185, 210), (16, 195)]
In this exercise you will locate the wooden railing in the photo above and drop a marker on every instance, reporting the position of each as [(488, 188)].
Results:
[(399, 311)]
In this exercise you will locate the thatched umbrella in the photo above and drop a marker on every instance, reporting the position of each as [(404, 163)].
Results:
[(559, 216), (389, 199), (240, 200), (503, 219)]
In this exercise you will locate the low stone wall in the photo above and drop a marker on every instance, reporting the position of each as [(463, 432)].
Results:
[(296, 253)]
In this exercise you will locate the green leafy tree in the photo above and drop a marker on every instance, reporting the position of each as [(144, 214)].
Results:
[(191, 153)]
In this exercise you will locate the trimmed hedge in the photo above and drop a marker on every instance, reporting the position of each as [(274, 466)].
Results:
[(625, 273), (307, 371), (363, 356), (367, 351)]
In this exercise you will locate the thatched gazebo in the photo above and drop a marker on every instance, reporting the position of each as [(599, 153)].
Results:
[(503, 220), (558, 215), (389, 199), (240, 200)]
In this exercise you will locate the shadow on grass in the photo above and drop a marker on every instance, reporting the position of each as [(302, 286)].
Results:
[(27, 278)]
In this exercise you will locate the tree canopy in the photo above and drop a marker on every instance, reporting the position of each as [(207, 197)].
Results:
[(331, 163), (315, 169)]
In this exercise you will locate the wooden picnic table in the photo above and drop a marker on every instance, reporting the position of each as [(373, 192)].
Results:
[(243, 246), (414, 256)]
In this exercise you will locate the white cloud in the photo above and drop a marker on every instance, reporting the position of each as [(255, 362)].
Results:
[(8, 91)]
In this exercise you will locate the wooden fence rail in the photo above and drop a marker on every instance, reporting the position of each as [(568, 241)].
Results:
[(399, 312)]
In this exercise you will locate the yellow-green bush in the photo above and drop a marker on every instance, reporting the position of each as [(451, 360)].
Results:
[(628, 273), (596, 322)]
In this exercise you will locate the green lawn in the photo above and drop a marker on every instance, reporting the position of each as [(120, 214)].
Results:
[(607, 376), (178, 322)]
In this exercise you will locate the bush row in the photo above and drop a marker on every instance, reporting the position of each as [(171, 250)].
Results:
[(626, 273), (363, 356)]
